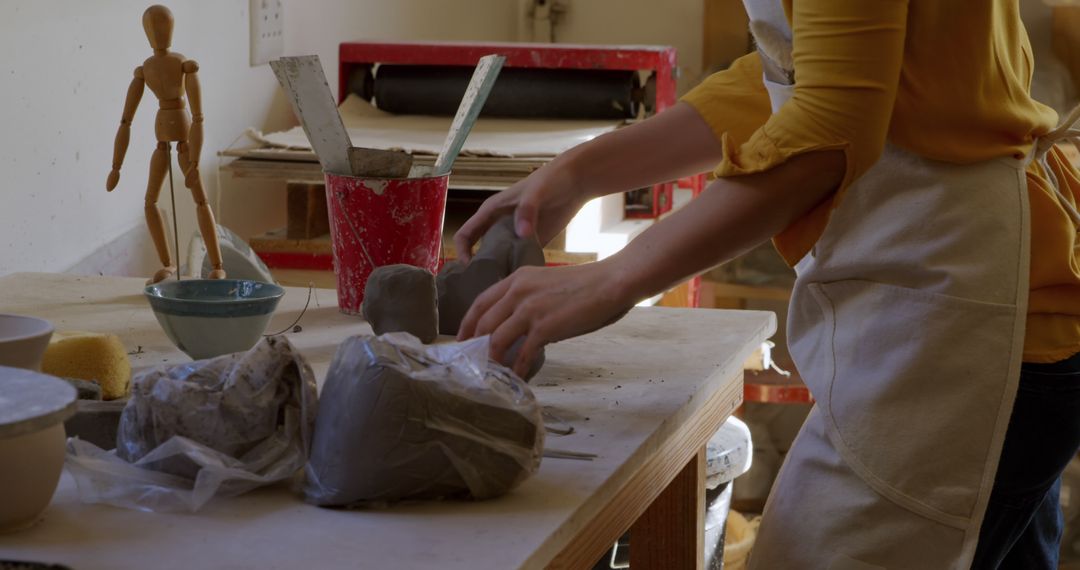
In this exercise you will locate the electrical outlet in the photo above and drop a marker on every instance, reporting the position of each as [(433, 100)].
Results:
[(267, 31)]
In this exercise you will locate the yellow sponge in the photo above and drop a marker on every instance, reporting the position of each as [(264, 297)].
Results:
[(92, 356)]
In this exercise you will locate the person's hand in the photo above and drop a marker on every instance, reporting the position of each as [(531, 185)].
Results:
[(545, 305), (664, 147), (543, 204)]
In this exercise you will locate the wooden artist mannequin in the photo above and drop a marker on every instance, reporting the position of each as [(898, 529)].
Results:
[(169, 76)]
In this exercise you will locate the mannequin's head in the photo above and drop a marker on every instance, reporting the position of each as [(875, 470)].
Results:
[(157, 20)]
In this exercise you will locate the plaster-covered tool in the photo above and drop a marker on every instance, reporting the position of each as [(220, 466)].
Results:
[(487, 69), (304, 82)]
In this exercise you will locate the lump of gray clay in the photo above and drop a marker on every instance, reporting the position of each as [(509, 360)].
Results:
[(458, 285), (402, 298), (251, 411), (386, 429), (501, 243), (501, 253)]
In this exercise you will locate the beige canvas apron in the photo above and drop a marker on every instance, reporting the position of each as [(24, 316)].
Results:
[(907, 323)]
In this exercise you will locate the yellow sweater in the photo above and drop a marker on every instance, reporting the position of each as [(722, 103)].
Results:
[(946, 79)]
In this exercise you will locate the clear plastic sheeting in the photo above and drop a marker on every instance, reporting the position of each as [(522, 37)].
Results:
[(217, 427), (401, 420)]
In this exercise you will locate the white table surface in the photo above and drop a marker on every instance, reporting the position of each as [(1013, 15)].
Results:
[(626, 389)]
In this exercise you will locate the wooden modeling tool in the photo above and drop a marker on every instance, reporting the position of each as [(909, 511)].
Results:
[(170, 76), (483, 79), (304, 82)]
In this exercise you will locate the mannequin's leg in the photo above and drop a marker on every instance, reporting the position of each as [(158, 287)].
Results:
[(159, 165), (207, 226)]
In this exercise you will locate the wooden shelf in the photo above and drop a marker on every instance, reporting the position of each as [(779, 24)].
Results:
[(280, 252), (470, 172)]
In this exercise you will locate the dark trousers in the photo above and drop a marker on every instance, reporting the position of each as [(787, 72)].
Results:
[(1023, 524)]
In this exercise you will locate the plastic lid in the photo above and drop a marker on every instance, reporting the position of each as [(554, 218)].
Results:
[(31, 401)]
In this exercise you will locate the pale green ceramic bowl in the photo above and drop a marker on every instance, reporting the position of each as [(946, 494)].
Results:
[(210, 317)]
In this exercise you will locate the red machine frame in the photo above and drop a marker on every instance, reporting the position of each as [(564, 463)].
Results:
[(660, 60)]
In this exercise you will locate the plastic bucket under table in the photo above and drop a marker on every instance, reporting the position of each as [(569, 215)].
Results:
[(382, 221)]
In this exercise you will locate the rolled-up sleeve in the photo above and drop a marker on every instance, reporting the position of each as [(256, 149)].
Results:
[(733, 102), (848, 55)]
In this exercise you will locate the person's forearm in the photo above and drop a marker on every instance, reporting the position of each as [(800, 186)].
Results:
[(671, 145), (732, 216)]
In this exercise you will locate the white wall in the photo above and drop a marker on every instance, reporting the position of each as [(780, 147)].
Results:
[(63, 77), (65, 73), (318, 27), (67, 65), (676, 23)]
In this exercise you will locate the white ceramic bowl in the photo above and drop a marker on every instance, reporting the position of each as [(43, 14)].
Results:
[(210, 317), (23, 341), (33, 407)]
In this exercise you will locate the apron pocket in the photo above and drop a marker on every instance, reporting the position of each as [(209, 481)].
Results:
[(911, 384)]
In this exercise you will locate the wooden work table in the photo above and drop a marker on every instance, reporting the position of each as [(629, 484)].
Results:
[(644, 395)]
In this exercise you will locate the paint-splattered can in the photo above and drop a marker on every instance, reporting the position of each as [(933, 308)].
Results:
[(382, 221)]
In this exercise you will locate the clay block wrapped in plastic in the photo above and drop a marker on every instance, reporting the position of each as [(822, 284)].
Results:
[(401, 420), (216, 427)]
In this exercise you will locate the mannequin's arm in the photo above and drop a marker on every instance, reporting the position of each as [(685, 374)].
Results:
[(134, 95), (194, 96)]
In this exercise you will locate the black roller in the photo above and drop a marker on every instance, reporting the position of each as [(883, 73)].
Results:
[(518, 92)]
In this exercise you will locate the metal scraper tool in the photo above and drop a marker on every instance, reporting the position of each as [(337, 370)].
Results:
[(483, 79)]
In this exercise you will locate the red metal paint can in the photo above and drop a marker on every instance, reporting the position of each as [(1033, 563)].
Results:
[(382, 221)]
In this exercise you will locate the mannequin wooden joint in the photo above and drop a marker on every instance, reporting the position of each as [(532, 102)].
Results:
[(170, 77)]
